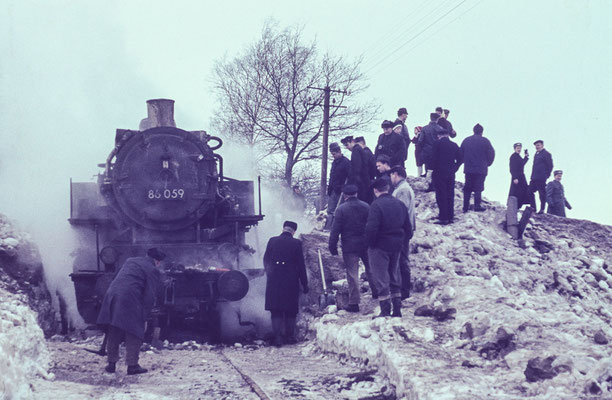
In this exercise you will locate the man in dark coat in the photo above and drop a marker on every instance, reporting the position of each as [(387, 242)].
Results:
[(446, 113), (349, 224), (555, 196), (388, 224), (384, 170), (402, 115), (127, 305), (285, 270), (358, 173), (542, 167), (518, 183), (427, 138), (446, 160), (370, 158), (390, 144), (478, 155), (337, 178)]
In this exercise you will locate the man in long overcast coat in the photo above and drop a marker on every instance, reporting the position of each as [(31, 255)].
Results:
[(127, 305), (541, 170), (358, 173), (285, 271)]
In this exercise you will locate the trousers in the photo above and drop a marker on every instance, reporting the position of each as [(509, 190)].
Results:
[(404, 268), (132, 345), (445, 196), (385, 272)]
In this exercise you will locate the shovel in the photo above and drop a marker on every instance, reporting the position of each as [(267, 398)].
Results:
[(326, 298)]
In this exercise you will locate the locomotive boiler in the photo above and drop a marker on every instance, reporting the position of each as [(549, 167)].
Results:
[(164, 187)]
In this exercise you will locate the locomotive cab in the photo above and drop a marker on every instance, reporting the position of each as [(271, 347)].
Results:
[(163, 186)]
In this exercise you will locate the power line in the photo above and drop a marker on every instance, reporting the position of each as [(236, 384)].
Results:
[(381, 50), (430, 36), (417, 35)]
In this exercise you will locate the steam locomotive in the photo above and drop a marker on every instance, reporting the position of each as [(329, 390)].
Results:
[(164, 187)]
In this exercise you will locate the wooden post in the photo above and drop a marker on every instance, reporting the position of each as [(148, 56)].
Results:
[(511, 217)]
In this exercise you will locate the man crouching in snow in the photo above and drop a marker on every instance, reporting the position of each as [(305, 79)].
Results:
[(127, 305)]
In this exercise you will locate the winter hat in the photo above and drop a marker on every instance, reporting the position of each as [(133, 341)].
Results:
[(156, 254), (346, 140), (386, 124), (349, 190), (478, 129), (558, 172), (334, 147), (290, 224), (397, 126), (518, 144)]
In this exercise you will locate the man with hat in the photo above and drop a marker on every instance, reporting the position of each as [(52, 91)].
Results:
[(349, 225), (388, 224), (390, 144), (337, 178), (358, 173), (402, 115), (518, 182), (445, 161), (478, 155), (370, 158), (555, 196), (427, 138), (540, 172), (285, 271), (445, 114), (127, 305)]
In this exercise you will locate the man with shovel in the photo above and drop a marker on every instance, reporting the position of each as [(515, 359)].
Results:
[(349, 224)]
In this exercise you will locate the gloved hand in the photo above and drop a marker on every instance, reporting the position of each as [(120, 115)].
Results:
[(333, 251), (305, 290), (569, 207)]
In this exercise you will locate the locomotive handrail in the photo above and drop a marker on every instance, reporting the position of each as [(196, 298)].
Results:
[(217, 139), (218, 157)]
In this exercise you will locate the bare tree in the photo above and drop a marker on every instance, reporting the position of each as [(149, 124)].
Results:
[(265, 102)]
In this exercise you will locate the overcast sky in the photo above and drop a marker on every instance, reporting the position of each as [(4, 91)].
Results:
[(72, 72)]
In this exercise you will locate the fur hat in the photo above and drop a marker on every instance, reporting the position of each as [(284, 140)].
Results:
[(402, 111), (386, 124), (478, 129)]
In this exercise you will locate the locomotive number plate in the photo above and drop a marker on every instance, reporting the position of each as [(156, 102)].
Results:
[(165, 194)]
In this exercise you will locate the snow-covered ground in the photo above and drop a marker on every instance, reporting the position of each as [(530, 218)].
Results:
[(488, 306)]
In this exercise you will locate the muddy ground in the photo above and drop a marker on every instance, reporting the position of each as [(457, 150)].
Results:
[(221, 372)]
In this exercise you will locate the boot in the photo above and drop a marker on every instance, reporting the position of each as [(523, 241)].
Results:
[(466, 201), (136, 369), (477, 201), (277, 328), (397, 307), (352, 308), (110, 368), (290, 330), (385, 309)]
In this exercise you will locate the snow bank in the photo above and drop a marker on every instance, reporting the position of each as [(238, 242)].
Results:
[(495, 318), (23, 351)]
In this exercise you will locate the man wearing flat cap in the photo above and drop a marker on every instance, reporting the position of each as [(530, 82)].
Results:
[(358, 173), (540, 172), (285, 271), (390, 144), (338, 174), (349, 225), (127, 305), (555, 196)]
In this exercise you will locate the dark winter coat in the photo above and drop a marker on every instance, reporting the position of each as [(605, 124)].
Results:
[(130, 296), (285, 270), (418, 148), (478, 154), (405, 136), (519, 190), (388, 224), (555, 198), (358, 174), (427, 138), (371, 161), (350, 223), (445, 158), (391, 145), (542, 166), (337, 177)]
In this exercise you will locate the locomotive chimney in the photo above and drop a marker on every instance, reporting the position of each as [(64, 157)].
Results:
[(160, 113)]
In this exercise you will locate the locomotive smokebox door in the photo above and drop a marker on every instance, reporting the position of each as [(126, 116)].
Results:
[(233, 285)]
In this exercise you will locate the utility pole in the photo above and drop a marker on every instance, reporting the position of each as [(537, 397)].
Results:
[(326, 106)]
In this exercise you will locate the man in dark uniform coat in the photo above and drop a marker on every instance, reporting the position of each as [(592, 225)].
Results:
[(127, 305), (555, 196), (285, 270), (478, 155), (445, 160), (518, 183), (337, 178), (542, 167), (427, 138), (390, 144), (388, 224), (358, 173), (402, 115), (349, 225), (370, 158)]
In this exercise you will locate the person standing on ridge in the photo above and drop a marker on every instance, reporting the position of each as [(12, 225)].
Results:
[(358, 174), (518, 183), (478, 155), (337, 178), (402, 115), (285, 271), (540, 172), (446, 160), (555, 196), (390, 144), (427, 138), (349, 225)]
